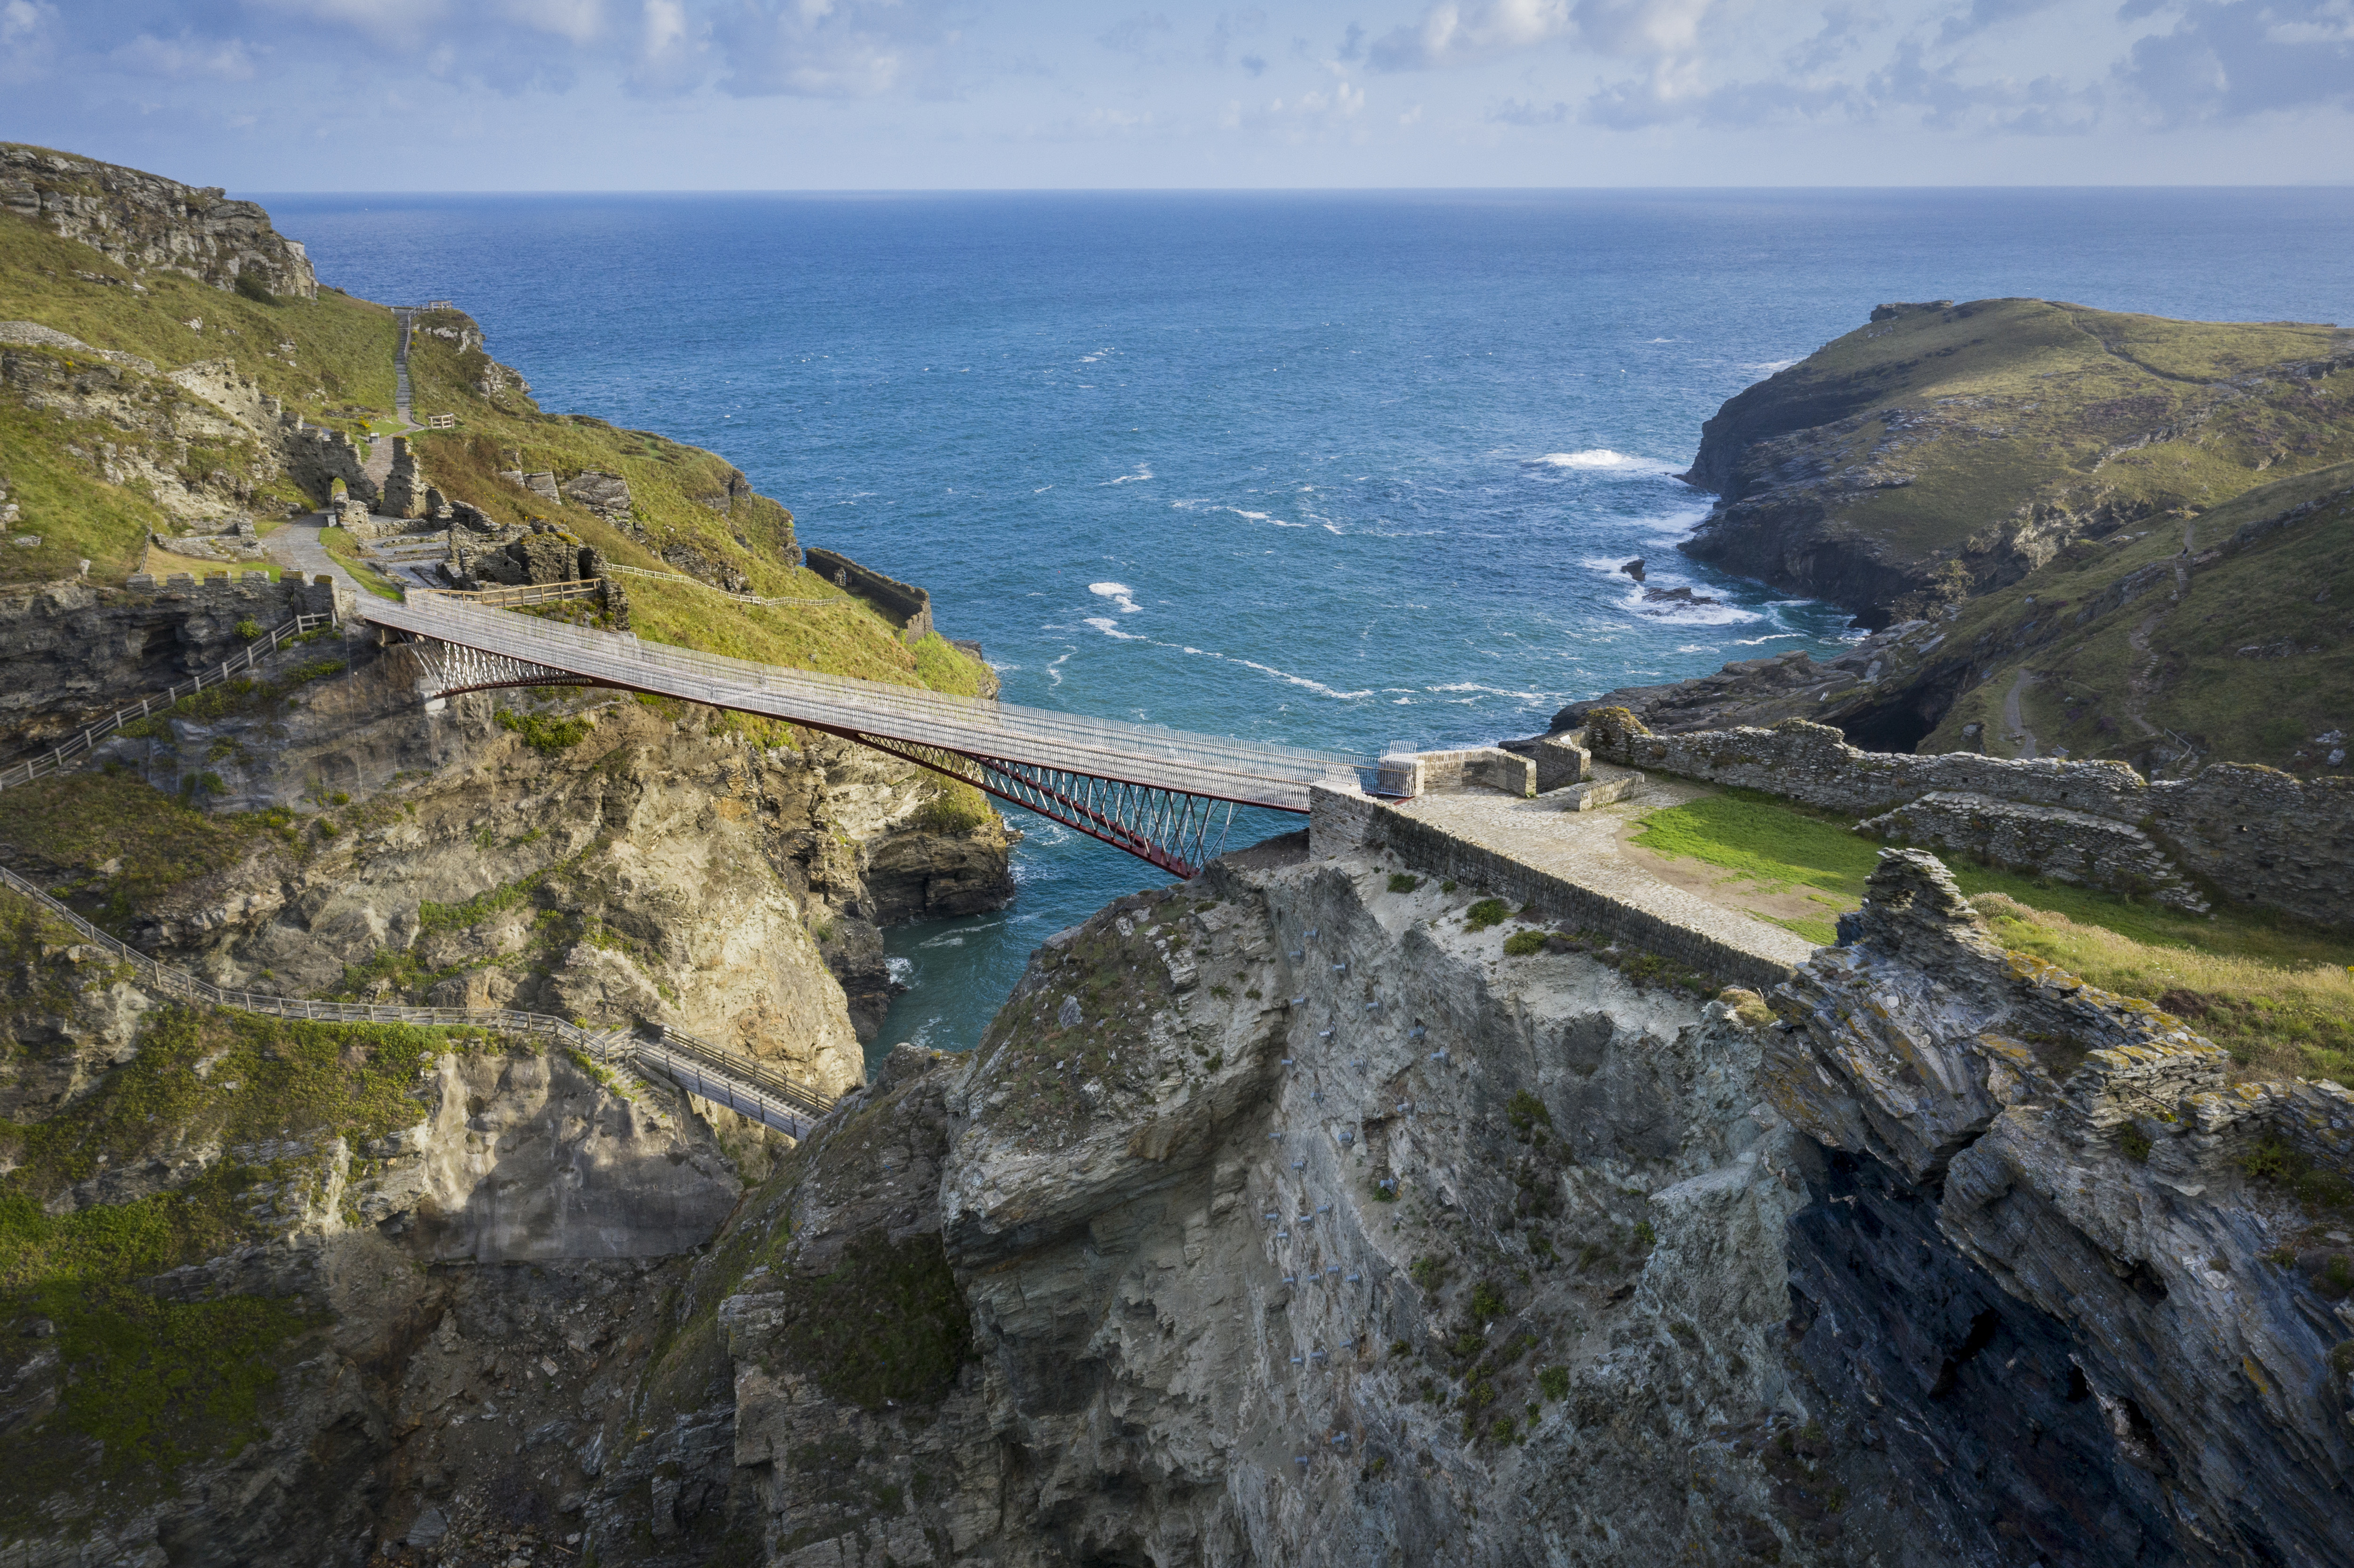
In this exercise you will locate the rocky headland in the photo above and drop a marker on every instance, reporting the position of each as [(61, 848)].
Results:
[(2070, 532), (1321, 1209)]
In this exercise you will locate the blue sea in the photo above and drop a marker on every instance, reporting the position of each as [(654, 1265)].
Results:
[(1341, 469)]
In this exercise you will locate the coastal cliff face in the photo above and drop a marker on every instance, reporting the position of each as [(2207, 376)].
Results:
[(1519, 1262), (1943, 449), (145, 222), (594, 859), (311, 1265)]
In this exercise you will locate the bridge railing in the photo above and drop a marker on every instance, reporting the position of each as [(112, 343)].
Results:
[(58, 756), (901, 712), (734, 1078), (519, 593)]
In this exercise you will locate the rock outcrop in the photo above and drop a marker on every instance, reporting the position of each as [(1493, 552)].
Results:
[(144, 221), (1522, 1262), (2084, 1284)]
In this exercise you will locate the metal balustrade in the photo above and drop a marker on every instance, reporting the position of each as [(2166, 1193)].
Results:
[(742, 1083), (269, 643)]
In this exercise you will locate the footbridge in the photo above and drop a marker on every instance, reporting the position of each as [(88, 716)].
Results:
[(1162, 795)]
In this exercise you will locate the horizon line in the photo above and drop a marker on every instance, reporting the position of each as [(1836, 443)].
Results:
[(2345, 184)]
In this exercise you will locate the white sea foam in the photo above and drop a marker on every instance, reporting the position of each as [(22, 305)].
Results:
[(1771, 367), (1489, 690), (1109, 628), (901, 971), (1601, 458), (1143, 471), (1246, 515), (1675, 613), (1317, 686), (1055, 668), (1119, 594), (1769, 637)]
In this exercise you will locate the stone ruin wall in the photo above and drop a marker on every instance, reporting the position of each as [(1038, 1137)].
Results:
[(2250, 834), (908, 603)]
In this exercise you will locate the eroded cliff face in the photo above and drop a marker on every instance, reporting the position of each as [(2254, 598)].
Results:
[(2107, 1293), (143, 220), (1289, 1219), (433, 1331), (591, 857)]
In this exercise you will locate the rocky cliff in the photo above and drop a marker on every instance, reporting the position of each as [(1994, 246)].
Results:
[(1285, 1217), (147, 222), (589, 857)]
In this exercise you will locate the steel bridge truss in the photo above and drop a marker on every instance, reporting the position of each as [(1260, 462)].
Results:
[(1166, 828), (1170, 828), (452, 669)]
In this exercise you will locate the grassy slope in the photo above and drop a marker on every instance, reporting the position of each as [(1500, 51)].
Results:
[(2040, 393), (340, 371), (2290, 588), (2278, 995)]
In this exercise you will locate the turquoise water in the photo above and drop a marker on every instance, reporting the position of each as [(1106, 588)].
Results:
[(1338, 470)]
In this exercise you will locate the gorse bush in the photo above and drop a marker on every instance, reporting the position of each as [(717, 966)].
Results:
[(545, 734)]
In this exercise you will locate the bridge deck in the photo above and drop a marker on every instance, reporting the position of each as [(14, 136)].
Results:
[(1242, 771)]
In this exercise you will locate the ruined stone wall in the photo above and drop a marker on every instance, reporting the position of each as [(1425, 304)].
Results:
[(905, 602), (316, 456), (2252, 834)]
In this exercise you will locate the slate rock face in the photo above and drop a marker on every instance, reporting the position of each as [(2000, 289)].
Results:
[(2016, 1165), (144, 221)]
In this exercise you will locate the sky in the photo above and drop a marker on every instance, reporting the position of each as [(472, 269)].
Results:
[(634, 95)]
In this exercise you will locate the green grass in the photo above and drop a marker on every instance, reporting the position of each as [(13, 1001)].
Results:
[(2286, 593), (78, 517), (2273, 990), (546, 734), (343, 346), (77, 822), (344, 551), (2028, 400)]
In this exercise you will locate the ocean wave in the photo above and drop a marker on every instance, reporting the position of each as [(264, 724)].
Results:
[(1490, 691), (1119, 594), (1601, 458), (1246, 515), (1054, 670), (1771, 367), (1682, 613), (1109, 628), (1284, 675), (1143, 471), (1769, 637), (901, 971)]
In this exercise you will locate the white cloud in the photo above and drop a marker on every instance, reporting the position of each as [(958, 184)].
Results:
[(577, 21), (20, 19), (185, 58)]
